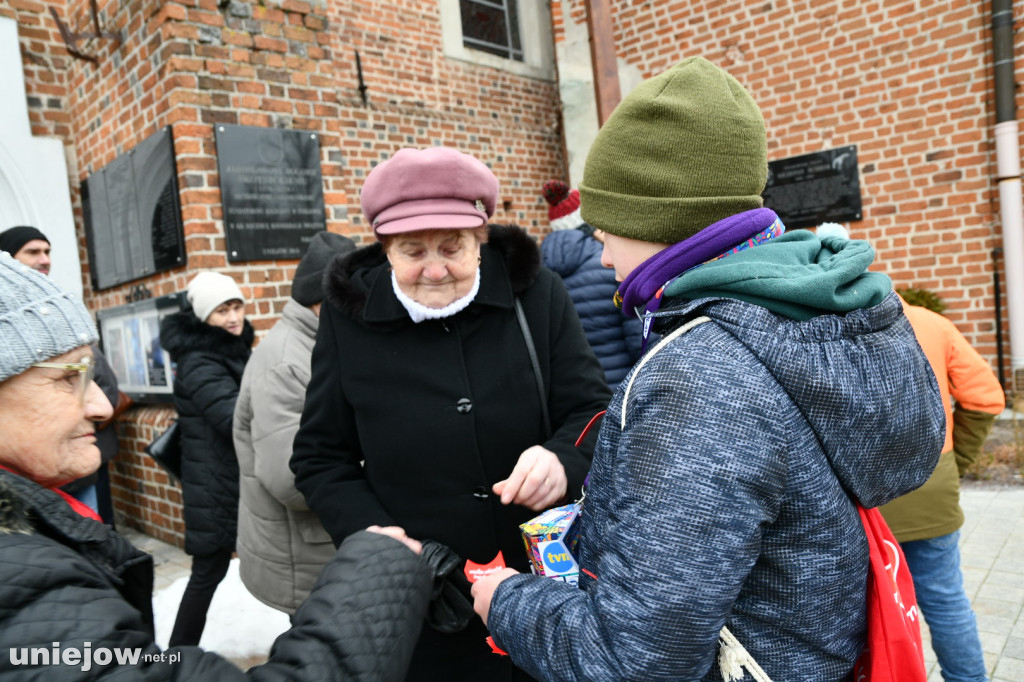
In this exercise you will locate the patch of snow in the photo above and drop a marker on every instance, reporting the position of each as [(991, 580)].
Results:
[(237, 625)]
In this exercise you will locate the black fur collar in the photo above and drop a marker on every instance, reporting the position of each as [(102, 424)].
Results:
[(346, 283), (13, 510), (183, 332)]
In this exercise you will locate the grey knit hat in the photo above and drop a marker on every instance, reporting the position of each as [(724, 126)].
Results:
[(38, 321)]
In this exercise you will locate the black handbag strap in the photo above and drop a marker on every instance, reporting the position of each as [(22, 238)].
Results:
[(524, 326)]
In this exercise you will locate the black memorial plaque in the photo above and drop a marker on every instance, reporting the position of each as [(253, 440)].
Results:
[(132, 214), (271, 190), (815, 188)]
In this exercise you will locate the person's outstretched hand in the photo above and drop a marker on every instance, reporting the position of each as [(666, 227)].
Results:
[(483, 591), (537, 482), (398, 534)]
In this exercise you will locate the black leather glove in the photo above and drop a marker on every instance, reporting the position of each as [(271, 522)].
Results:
[(451, 607)]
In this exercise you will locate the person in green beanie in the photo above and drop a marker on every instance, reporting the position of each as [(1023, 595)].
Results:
[(787, 389)]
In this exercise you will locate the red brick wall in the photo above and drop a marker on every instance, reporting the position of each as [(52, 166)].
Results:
[(909, 83), (144, 496), (192, 64), (45, 65)]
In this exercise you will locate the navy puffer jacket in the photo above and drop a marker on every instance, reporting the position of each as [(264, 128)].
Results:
[(576, 258), (209, 364)]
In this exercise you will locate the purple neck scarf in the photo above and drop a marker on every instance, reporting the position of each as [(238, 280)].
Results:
[(643, 288)]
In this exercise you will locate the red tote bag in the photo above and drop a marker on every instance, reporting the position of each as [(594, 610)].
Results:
[(893, 651)]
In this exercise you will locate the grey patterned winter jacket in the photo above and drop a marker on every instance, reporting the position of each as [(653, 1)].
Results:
[(725, 499)]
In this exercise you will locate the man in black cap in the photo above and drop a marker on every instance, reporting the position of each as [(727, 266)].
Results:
[(28, 245)]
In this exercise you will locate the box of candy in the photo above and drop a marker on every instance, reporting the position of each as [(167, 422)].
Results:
[(551, 541)]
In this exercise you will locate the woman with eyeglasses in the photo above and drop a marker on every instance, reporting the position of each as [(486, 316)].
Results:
[(47, 407), (76, 597), (424, 407), (210, 344)]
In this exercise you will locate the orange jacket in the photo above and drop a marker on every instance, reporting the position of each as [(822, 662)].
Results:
[(960, 371), (933, 509)]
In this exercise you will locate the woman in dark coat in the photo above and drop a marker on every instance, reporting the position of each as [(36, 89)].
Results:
[(423, 408), (210, 344)]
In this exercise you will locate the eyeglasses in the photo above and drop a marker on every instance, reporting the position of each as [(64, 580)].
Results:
[(85, 369)]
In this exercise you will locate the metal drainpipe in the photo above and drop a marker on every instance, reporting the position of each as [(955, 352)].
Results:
[(1011, 202)]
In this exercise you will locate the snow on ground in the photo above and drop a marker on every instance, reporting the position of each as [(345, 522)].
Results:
[(237, 625)]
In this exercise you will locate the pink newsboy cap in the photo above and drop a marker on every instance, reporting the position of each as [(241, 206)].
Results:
[(428, 189)]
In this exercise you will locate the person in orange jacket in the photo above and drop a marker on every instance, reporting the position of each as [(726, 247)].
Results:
[(927, 521)]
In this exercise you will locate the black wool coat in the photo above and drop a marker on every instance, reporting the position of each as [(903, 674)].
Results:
[(441, 410), (209, 362), (71, 580)]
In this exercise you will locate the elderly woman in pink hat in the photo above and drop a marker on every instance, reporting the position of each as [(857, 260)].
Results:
[(450, 380)]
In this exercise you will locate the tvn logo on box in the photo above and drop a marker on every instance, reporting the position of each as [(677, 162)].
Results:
[(557, 560), (551, 540)]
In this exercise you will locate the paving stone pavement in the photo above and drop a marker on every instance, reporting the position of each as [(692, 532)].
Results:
[(992, 550), (992, 558)]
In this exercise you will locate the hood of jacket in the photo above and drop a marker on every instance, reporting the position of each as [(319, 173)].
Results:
[(300, 317), (359, 283), (26, 507), (796, 275), (567, 251), (13, 510), (183, 332), (861, 381)]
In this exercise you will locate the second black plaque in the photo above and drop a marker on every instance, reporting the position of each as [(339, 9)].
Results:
[(271, 191)]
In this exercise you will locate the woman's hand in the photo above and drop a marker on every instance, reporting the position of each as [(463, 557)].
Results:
[(398, 534), (483, 590), (537, 482)]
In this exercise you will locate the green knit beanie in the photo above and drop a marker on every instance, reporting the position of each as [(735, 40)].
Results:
[(683, 150)]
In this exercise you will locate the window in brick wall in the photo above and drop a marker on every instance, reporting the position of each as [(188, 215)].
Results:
[(513, 35), (492, 27)]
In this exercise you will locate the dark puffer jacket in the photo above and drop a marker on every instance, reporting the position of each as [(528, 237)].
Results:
[(616, 340), (209, 365), (67, 579)]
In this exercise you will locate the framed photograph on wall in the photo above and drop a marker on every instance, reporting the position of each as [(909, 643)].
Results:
[(130, 338)]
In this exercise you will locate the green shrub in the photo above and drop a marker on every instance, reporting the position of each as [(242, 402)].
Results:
[(923, 298)]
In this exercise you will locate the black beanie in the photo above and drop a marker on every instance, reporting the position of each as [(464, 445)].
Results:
[(307, 287), (13, 239)]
